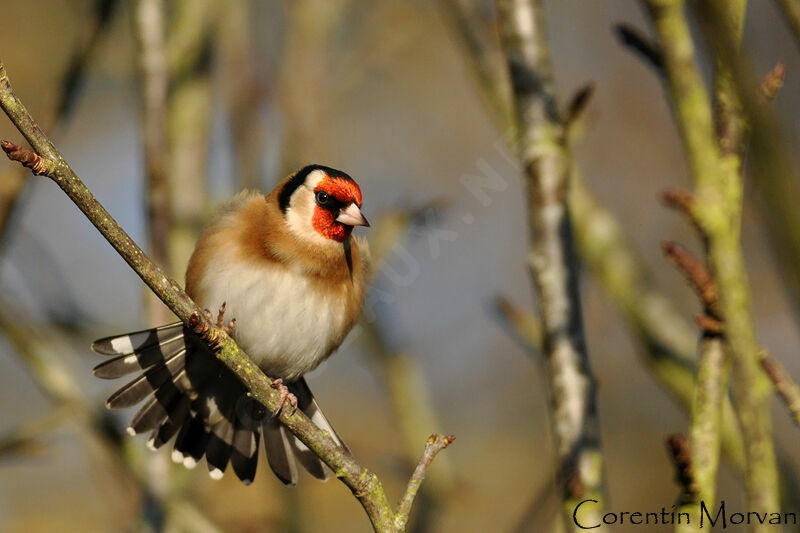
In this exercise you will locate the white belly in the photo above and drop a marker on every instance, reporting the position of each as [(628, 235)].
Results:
[(283, 322)]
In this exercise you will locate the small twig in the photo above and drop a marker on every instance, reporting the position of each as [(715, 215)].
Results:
[(696, 273), (578, 104), (435, 444), (785, 386), (681, 201), (708, 324), (634, 39), (523, 324), (684, 202)]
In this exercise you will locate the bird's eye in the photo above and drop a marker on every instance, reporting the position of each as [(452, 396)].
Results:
[(322, 198)]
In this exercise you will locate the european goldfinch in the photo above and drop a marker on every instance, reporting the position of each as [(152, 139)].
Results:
[(286, 267)]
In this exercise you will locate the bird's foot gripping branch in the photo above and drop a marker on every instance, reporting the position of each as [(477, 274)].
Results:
[(45, 160)]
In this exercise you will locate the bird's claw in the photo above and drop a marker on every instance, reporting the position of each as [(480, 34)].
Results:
[(220, 322), (285, 395)]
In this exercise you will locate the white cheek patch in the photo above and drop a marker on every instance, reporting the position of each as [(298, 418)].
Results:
[(301, 211)]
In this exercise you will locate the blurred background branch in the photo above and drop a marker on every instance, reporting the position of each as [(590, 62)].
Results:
[(12, 180), (543, 152), (718, 207)]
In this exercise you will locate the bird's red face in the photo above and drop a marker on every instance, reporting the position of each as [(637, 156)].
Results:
[(337, 209), (322, 203)]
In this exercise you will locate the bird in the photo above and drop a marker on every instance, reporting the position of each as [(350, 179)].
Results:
[(287, 268)]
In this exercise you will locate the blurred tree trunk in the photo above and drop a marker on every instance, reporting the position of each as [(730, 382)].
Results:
[(543, 152)]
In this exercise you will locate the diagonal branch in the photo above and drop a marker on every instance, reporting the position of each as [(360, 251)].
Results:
[(364, 484), (640, 43), (785, 386)]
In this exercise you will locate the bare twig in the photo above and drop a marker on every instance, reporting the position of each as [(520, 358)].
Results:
[(787, 389), (709, 324), (669, 340), (435, 444), (715, 166), (28, 437), (410, 402), (544, 157), (730, 125), (684, 203), (680, 200), (523, 324), (643, 45), (695, 273), (771, 162), (710, 391), (577, 105), (364, 484)]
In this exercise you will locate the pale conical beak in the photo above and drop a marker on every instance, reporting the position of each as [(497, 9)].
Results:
[(352, 216)]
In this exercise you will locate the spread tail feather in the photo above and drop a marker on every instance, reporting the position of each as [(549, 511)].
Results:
[(188, 392), (283, 448)]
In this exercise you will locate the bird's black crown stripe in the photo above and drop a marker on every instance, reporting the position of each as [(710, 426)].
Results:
[(300, 177)]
